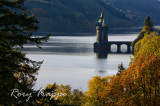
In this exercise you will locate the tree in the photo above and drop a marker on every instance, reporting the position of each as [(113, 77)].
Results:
[(142, 81), (148, 28), (95, 87), (120, 69), (16, 70), (136, 86), (148, 22)]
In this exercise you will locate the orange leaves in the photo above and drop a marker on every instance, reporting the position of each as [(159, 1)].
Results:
[(142, 77), (137, 84)]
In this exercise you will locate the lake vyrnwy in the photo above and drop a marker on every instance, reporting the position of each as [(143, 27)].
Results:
[(70, 60)]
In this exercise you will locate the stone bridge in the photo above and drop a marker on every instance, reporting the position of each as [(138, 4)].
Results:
[(119, 44)]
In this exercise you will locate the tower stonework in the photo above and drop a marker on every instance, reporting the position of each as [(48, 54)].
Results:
[(100, 46)]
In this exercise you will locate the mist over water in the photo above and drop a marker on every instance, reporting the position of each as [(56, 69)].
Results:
[(71, 61)]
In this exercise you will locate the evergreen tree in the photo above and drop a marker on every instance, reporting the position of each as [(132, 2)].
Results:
[(148, 23), (16, 70), (120, 69), (148, 28)]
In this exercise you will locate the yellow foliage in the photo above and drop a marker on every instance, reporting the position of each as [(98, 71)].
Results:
[(95, 86), (149, 44), (144, 31)]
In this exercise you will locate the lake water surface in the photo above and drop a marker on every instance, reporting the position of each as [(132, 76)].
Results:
[(70, 60)]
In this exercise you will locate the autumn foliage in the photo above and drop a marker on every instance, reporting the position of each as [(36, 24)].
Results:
[(138, 85)]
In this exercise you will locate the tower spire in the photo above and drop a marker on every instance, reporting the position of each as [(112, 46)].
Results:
[(101, 17)]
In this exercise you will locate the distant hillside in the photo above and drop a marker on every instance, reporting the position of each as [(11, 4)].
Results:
[(73, 15), (137, 10)]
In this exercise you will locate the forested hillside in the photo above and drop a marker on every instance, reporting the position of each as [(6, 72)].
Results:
[(137, 10), (73, 15)]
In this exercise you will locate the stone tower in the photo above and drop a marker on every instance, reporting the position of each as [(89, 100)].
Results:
[(101, 30), (100, 46)]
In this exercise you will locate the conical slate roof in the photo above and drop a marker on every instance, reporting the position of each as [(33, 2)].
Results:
[(102, 19)]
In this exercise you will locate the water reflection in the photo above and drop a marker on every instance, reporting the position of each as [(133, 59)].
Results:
[(101, 50), (102, 55), (101, 73)]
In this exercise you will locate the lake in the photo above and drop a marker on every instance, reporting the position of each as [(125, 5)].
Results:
[(70, 60)]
